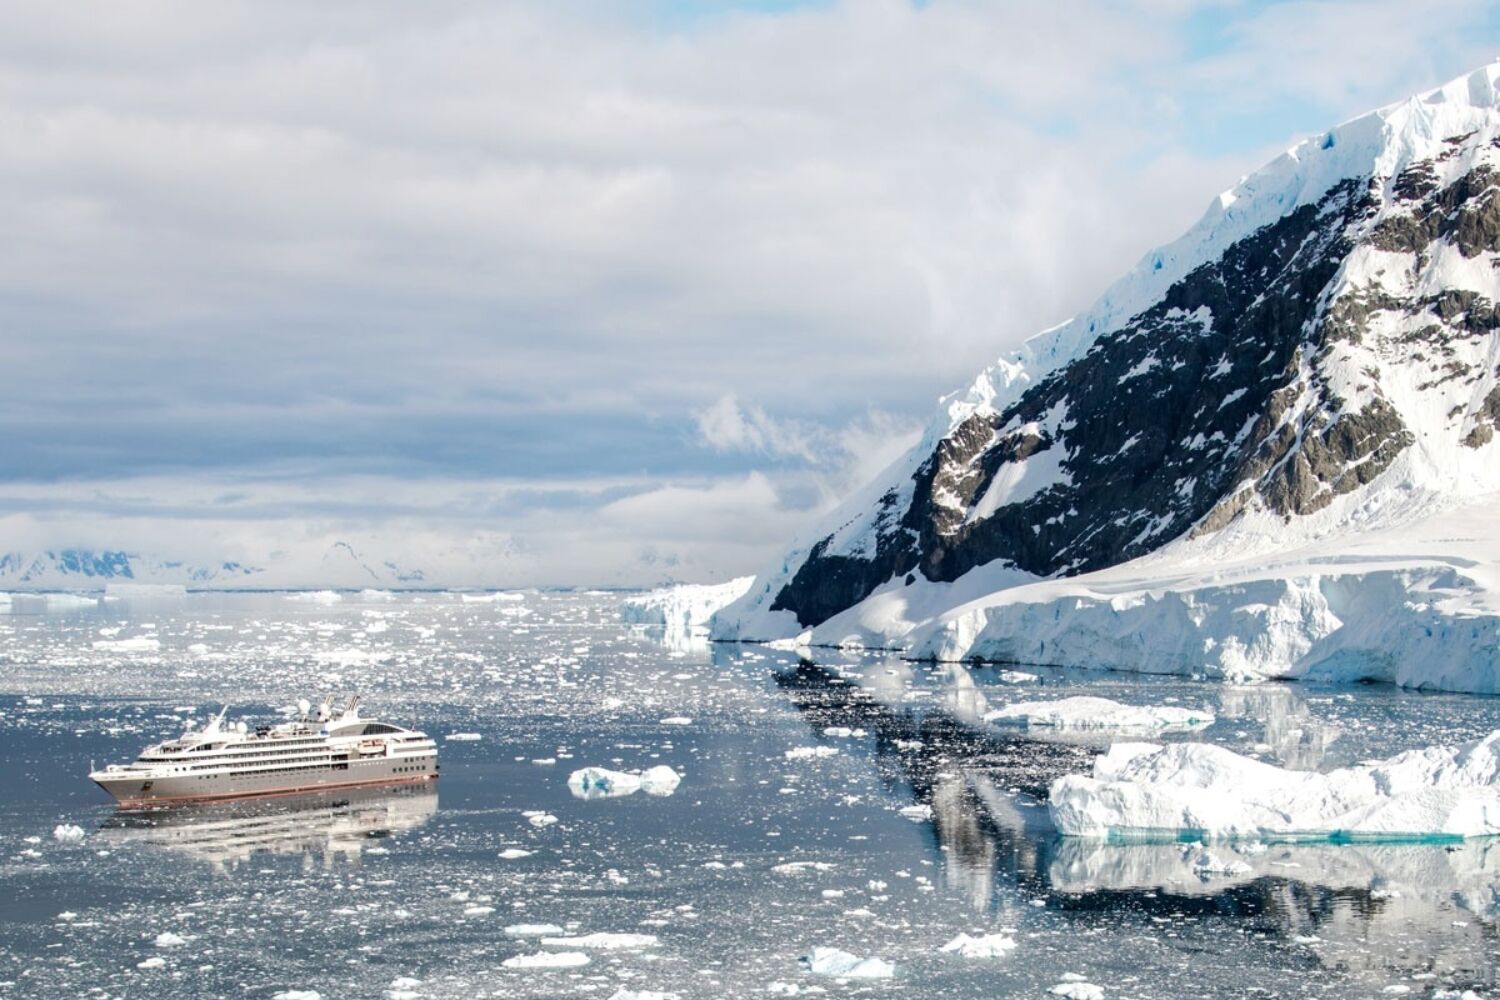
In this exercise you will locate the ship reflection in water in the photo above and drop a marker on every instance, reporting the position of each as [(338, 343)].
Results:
[(1409, 909), (321, 827)]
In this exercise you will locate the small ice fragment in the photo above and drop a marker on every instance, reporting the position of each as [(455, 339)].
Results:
[(547, 960), (512, 853), (540, 820), (1208, 863), (67, 833), (166, 939), (917, 813), (677, 720), (624, 994), (478, 911), (463, 737), (151, 963)]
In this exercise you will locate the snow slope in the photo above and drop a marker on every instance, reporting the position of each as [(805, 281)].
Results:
[(1269, 450)]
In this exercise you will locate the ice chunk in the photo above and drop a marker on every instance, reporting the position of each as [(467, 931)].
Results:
[(1077, 991), (298, 995), (840, 964), (983, 946), (1208, 863), (1085, 712), (67, 833), (1145, 790), (918, 813), (513, 853), (166, 939), (540, 819), (677, 720), (624, 994), (151, 963), (603, 941), (463, 737), (547, 960)]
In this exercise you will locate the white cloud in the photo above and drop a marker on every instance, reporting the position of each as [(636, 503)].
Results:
[(570, 244)]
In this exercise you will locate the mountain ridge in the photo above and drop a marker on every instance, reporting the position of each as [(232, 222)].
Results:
[(1317, 355)]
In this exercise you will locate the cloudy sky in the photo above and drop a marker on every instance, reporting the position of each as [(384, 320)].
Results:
[(592, 293)]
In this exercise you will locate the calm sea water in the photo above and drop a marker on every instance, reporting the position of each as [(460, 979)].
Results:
[(757, 858)]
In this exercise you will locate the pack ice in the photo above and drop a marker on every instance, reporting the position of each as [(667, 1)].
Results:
[(1146, 791)]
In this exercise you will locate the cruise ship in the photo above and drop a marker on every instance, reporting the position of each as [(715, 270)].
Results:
[(315, 751)]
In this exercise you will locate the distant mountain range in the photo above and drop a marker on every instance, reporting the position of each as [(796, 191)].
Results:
[(86, 569)]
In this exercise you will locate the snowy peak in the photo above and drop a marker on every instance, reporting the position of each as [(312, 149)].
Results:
[(88, 568), (1317, 355)]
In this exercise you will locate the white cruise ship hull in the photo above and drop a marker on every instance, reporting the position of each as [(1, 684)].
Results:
[(135, 790)]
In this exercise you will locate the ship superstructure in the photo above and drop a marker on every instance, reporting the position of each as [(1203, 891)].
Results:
[(314, 751)]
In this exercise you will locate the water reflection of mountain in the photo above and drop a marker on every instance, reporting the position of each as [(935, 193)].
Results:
[(1366, 910), (322, 827)]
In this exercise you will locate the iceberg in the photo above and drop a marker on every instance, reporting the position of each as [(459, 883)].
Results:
[(684, 606), (1150, 791), (1100, 713), (601, 783), (547, 960)]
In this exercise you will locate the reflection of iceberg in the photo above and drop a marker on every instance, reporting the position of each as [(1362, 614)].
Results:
[(1296, 738), (327, 825), (1357, 905)]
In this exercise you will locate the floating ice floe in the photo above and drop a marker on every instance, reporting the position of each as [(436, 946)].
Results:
[(1084, 712), (67, 833), (138, 644), (677, 720), (514, 853), (1144, 790), (463, 737), (547, 960), (538, 818), (533, 930), (918, 813), (602, 941), (600, 783), (624, 994), (982, 946), (166, 939), (839, 964), (810, 753)]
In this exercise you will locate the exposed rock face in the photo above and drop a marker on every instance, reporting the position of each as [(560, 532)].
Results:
[(1296, 364)]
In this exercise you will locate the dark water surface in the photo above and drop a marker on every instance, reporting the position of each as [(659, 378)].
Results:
[(757, 858)]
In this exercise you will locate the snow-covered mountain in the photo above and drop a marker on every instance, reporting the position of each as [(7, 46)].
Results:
[(338, 565), (1269, 450)]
